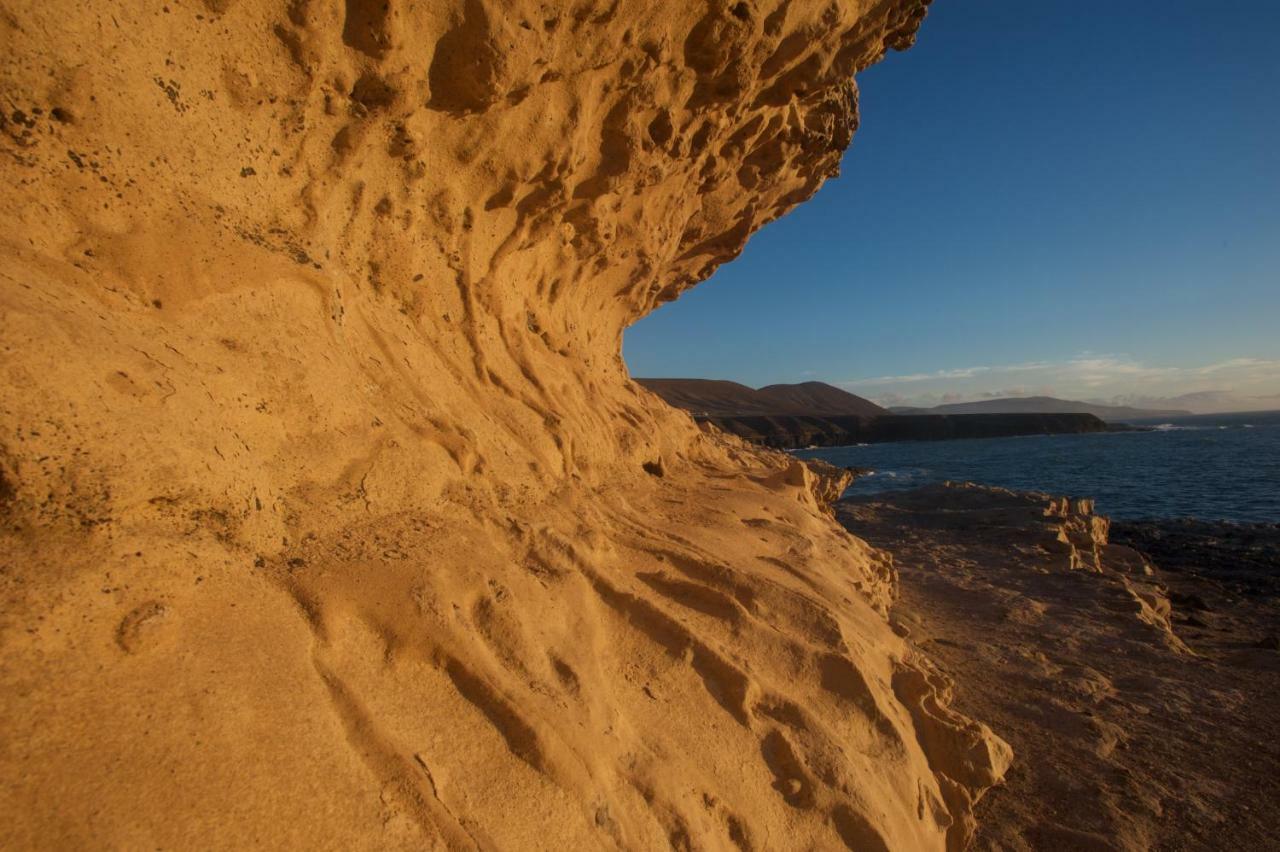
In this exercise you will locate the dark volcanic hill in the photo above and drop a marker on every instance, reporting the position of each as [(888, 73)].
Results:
[(1043, 405), (715, 398), (817, 398), (818, 414)]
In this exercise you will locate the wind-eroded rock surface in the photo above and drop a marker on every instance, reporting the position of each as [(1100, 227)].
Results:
[(330, 516)]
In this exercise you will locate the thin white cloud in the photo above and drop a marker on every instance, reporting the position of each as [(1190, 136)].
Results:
[(959, 373), (1218, 386)]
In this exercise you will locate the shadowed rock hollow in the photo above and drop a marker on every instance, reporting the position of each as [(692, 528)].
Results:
[(331, 517)]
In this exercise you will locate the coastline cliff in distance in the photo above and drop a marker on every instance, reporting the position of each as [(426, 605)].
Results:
[(1045, 405), (817, 414)]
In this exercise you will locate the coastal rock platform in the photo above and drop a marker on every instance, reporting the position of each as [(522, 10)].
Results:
[(1139, 701)]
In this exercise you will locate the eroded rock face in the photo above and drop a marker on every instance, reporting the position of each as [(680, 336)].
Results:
[(331, 516)]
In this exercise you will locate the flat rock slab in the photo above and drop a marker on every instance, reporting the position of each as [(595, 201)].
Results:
[(1139, 702)]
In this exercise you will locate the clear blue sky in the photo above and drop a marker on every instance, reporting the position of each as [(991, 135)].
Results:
[(1079, 197)]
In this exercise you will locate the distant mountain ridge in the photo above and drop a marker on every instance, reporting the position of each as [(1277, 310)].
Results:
[(1043, 405), (818, 414), (718, 398)]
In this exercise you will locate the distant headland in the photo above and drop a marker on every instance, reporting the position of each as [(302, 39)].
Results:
[(818, 414)]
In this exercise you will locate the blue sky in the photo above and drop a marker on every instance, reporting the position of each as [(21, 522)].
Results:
[(1079, 198)]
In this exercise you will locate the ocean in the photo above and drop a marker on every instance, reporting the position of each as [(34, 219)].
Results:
[(1209, 467)]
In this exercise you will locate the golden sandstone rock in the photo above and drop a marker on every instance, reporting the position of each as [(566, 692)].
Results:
[(331, 518)]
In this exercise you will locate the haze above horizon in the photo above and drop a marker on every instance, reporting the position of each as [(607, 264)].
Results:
[(1071, 200)]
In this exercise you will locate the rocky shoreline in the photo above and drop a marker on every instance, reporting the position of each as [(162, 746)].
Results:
[(1131, 666), (1240, 559)]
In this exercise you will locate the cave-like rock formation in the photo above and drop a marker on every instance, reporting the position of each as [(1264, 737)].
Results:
[(330, 516)]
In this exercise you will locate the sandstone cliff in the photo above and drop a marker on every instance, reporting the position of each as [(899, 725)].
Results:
[(330, 515)]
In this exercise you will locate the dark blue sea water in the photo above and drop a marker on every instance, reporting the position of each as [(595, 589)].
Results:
[(1212, 467)]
